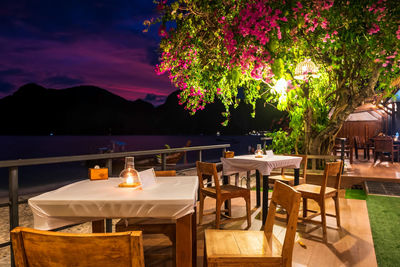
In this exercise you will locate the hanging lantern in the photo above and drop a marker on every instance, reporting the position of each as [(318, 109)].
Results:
[(306, 69)]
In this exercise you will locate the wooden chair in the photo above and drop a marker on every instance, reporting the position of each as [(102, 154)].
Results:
[(360, 144), (230, 248), (348, 148), (220, 192), (36, 248), (321, 192), (384, 145), (289, 179)]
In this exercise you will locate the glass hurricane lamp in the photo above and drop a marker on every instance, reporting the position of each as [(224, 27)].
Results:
[(130, 175), (259, 152)]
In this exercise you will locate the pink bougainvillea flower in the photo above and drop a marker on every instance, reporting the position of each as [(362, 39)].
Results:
[(162, 31), (375, 29), (398, 33)]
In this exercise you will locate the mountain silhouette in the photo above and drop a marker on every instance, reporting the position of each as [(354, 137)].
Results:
[(89, 110)]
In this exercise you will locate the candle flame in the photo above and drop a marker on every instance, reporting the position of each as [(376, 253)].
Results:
[(129, 179)]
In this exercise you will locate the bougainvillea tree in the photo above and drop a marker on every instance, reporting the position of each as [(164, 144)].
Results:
[(213, 49)]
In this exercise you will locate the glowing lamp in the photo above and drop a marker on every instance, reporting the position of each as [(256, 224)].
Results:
[(130, 175), (306, 69), (259, 152), (281, 86)]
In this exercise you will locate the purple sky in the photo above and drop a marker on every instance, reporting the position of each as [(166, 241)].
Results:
[(60, 44)]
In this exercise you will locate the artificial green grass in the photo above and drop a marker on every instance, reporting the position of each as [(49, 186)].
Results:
[(261, 189), (355, 194), (384, 217)]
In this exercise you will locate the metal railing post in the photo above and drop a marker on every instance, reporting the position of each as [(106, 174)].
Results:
[(185, 158), (109, 166), (164, 161), (200, 155), (13, 203)]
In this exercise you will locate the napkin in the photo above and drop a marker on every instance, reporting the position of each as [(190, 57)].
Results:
[(270, 153), (148, 178)]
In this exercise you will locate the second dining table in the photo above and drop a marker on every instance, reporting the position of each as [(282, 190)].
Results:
[(263, 166), (170, 198)]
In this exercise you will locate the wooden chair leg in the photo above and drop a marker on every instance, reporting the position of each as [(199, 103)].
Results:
[(247, 199), (323, 219), (337, 209), (205, 255), (201, 208), (229, 205), (218, 213), (351, 156), (304, 207)]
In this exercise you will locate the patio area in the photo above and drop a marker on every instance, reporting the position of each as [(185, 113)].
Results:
[(351, 245)]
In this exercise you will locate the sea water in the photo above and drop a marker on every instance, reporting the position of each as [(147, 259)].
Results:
[(50, 176)]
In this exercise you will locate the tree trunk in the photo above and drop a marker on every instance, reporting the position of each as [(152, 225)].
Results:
[(321, 143)]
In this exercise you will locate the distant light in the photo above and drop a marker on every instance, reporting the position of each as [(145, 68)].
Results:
[(51, 134)]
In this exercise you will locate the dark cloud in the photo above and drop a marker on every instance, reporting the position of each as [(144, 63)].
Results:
[(62, 81), (156, 100), (11, 72), (6, 87), (152, 55)]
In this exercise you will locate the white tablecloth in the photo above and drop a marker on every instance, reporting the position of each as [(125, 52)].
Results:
[(171, 197), (264, 165)]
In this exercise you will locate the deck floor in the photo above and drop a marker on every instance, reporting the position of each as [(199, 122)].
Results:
[(352, 245)]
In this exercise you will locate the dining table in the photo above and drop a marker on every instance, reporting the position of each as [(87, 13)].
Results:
[(263, 166), (169, 198)]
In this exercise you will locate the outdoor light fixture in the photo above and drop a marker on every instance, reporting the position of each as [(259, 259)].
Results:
[(129, 174), (281, 86), (259, 152), (306, 69)]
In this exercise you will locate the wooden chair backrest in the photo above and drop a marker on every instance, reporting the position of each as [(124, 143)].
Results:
[(303, 164), (332, 169), (205, 169), (36, 248), (165, 173), (289, 199), (383, 144)]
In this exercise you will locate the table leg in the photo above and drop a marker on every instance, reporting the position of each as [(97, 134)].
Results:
[(183, 255), (258, 189), (98, 226), (296, 176), (194, 238), (265, 198)]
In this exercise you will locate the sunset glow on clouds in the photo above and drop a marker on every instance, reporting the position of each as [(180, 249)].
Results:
[(91, 43)]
